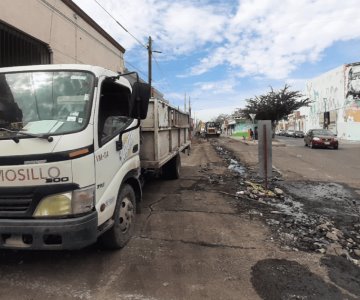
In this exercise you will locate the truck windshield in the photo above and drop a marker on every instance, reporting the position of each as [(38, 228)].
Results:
[(41, 103)]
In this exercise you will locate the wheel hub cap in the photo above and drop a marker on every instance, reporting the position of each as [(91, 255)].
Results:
[(126, 214)]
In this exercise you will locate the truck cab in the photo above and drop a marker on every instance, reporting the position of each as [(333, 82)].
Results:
[(212, 129), (69, 160)]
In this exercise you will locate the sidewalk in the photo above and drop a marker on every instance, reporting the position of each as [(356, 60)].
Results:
[(348, 142), (275, 142)]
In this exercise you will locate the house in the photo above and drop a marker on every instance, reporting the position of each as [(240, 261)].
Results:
[(335, 97), (54, 32)]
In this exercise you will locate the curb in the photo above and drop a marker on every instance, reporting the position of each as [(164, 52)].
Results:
[(274, 143)]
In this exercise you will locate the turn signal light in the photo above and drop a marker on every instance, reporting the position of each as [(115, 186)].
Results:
[(79, 152)]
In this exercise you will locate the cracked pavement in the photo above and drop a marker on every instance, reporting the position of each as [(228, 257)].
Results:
[(191, 241)]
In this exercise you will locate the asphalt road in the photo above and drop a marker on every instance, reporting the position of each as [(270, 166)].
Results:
[(299, 162), (189, 243), (193, 240)]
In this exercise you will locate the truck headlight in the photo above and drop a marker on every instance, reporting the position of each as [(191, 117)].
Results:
[(75, 202), (54, 205)]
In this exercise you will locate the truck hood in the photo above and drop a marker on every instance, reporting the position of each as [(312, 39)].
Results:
[(31, 150), (35, 161), (28, 146)]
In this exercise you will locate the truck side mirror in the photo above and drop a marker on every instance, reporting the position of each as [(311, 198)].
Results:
[(139, 100)]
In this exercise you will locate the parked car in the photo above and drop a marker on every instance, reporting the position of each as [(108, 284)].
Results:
[(290, 133), (321, 138), (281, 132), (299, 134)]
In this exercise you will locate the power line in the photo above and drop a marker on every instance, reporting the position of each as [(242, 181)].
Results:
[(136, 39), (167, 83), (161, 71), (136, 68), (158, 65), (117, 22)]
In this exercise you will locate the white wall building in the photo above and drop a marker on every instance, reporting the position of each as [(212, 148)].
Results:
[(54, 31), (336, 101)]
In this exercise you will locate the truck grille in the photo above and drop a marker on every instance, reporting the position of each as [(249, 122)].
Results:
[(21, 202), (14, 204)]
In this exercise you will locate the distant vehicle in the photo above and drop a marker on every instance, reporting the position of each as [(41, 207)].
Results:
[(280, 132), (212, 129), (321, 138), (299, 134), (200, 129), (290, 133)]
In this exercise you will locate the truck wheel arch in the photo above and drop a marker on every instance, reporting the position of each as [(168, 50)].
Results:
[(171, 170), (122, 227), (131, 179)]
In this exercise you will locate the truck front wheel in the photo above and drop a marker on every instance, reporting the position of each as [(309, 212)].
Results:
[(171, 170), (124, 217)]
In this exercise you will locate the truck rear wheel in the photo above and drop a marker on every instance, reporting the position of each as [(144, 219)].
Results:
[(171, 170), (124, 217)]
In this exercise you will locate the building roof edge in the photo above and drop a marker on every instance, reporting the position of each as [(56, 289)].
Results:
[(91, 22)]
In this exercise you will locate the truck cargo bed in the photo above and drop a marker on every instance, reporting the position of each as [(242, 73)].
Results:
[(164, 133)]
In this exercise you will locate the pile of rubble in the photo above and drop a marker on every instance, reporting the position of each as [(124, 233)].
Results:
[(299, 229), (295, 227)]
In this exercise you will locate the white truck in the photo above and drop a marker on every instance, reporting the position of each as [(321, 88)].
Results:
[(74, 143)]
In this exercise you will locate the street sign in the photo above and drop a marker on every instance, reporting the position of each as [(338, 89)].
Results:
[(252, 116)]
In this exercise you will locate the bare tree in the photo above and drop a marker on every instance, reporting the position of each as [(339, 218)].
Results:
[(220, 118)]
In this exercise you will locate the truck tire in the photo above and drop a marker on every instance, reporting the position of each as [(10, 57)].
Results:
[(171, 170), (124, 217)]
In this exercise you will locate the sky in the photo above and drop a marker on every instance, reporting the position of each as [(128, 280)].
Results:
[(220, 53)]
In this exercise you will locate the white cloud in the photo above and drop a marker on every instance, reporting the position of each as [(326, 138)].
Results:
[(297, 84), (263, 39), (273, 37), (216, 87), (176, 27), (255, 37), (207, 114)]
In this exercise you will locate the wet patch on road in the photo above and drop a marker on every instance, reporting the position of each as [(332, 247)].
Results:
[(343, 273), (284, 279), (332, 199)]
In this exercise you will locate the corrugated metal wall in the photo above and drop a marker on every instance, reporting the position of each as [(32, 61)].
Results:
[(19, 49)]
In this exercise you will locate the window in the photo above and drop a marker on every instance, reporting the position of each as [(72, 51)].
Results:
[(51, 102), (114, 110)]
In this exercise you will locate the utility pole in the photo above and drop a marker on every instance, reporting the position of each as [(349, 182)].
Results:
[(150, 52), (189, 107), (185, 103), (150, 65)]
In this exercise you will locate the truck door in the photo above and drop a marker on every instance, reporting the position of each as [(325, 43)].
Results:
[(112, 119)]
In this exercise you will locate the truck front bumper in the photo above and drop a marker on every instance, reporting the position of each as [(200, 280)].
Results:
[(35, 234)]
